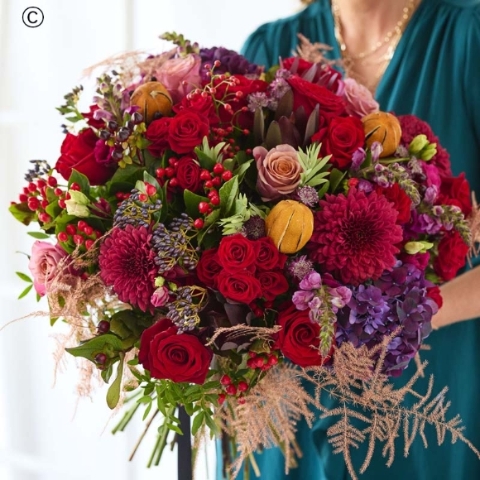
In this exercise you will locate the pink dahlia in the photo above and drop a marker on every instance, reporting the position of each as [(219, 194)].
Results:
[(413, 126), (355, 236), (127, 264)]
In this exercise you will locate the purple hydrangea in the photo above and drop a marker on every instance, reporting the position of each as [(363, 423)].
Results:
[(230, 61), (397, 299)]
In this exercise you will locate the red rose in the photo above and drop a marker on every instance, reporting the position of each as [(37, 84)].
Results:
[(435, 294), (396, 195), (240, 287), (186, 131), (188, 174), (299, 338), (201, 104), (208, 268), (456, 191), (308, 95), (157, 134), (167, 355), (77, 152), (452, 252), (341, 138), (237, 253), (268, 257), (273, 284)]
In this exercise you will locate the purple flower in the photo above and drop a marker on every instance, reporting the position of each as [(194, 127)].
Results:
[(307, 195), (423, 223), (300, 267), (313, 281), (340, 297), (376, 149), (258, 100), (314, 304), (301, 298), (364, 185), (358, 158), (431, 194)]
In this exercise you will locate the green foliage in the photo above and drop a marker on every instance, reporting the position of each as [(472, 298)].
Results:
[(25, 292), (314, 169), (81, 179), (209, 156), (108, 344), (192, 200), (113, 394), (228, 194), (336, 177), (21, 212), (69, 109), (129, 325)]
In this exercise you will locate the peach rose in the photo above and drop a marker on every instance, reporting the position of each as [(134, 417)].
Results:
[(180, 75), (360, 101), (278, 171)]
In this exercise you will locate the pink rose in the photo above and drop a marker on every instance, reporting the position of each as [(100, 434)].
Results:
[(180, 75), (359, 99), (43, 264), (160, 297), (278, 171)]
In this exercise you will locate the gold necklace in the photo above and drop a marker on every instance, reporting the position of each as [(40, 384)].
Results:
[(391, 39)]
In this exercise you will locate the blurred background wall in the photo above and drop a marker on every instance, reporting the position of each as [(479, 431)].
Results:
[(45, 433)]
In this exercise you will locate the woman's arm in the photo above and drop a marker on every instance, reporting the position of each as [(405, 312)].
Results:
[(461, 299)]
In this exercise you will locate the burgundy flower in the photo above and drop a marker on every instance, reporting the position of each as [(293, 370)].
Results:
[(355, 236), (127, 264)]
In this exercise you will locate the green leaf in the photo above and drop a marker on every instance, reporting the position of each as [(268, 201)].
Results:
[(25, 292), (210, 423), (259, 126), (53, 209), (130, 174), (228, 193), (108, 344), (192, 200), (24, 277), (274, 136), (113, 394), (21, 212), (39, 235), (147, 411), (81, 179), (336, 176), (175, 428), (198, 422), (323, 190), (107, 373), (53, 320), (149, 179), (242, 169)]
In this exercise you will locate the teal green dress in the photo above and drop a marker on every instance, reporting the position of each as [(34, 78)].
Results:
[(434, 74)]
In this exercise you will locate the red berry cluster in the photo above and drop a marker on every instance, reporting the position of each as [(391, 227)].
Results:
[(121, 196), (35, 196), (168, 173), (262, 361), (232, 389), (81, 234)]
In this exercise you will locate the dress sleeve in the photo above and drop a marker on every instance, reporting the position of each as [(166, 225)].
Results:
[(256, 48)]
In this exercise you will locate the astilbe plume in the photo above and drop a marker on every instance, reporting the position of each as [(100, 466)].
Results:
[(355, 236)]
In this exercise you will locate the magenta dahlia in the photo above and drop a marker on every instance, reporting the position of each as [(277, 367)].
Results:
[(413, 126), (127, 264), (354, 236)]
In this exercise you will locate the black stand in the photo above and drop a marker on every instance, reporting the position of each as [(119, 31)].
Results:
[(184, 460)]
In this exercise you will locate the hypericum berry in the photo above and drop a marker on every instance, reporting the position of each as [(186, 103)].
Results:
[(173, 182), (78, 239), (252, 354), (215, 200), (208, 184), (142, 197), (231, 389), (44, 217), (33, 203), (89, 244), (62, 237), (218, 169), (23, 197), (101, 358), (151, 190), (213, 193), (227, 175), (203, 207), (272, 360), (57, 191), (217, 181), (251, 363), (260, 362), (32, 187), (241, 400), (81, 225), (103, 327), (198, 223), (205, 175), (62, 204), (44, 204), (225, 380), (41, 183), (26, 191), (221, 398), (172, 161), (88, 230), (169, 172), (52, 181), (242, 386), (71, 229), (75, 186), (160, 172)]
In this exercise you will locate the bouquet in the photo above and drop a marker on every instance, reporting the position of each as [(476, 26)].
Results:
[(222, 236)]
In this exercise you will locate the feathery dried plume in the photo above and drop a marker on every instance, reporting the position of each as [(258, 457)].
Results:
[(312, 52), (269, 416), (255, 333), (474, 226)]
